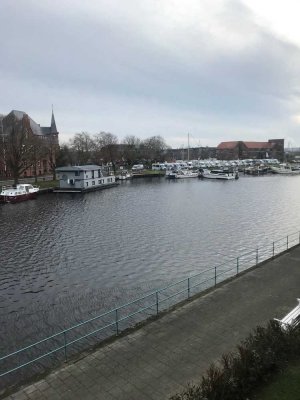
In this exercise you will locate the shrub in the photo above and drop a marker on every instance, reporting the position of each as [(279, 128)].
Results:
[(263, 353)]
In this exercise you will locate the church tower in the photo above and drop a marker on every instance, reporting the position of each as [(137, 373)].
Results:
[(53, 129)]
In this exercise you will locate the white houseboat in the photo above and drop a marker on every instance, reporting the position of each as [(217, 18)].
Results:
[(83, 178)]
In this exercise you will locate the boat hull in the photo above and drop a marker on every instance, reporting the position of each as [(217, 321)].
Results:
[(17, 198), (286, 172), (224, 178), (186, 176), (18, 193), (219, 174), (181, 174)]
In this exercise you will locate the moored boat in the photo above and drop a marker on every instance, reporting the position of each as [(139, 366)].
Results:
[(181, 174), (284, 169), (185, 173), (21, 192), (124, 175), (218, 174)]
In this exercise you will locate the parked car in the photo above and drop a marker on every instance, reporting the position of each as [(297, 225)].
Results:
[(137, 167)]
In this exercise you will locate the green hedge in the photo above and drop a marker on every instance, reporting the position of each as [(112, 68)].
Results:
[(255, 361)]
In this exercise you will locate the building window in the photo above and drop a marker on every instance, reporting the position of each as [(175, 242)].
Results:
[(93, 174), (76, 173), (86, 184), (93, 183)]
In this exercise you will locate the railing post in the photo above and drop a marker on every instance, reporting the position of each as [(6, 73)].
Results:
[(273, 249), (237, 265), (117, 322), (256, 255), (287, 242), (215, 276), (157, 311), (65, 346)]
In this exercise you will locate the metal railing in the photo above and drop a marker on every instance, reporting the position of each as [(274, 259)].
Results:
[(113, 322)]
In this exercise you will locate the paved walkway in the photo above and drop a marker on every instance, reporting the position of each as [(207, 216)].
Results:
[(162, 357)]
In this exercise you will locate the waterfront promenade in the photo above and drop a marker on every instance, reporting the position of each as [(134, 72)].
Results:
[(161, 357)]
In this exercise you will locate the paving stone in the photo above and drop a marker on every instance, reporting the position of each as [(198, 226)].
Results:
[(42, 385), (20, 396)]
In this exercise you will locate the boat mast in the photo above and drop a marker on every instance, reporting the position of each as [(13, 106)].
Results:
[(188, 147), (3, 143)]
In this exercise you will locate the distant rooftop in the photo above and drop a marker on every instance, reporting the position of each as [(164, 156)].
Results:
[(78, 168), (36, 128)]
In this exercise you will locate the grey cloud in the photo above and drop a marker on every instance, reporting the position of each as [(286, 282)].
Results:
[(97, 57)]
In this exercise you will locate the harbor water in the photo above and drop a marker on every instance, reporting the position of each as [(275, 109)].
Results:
[(65, 258)]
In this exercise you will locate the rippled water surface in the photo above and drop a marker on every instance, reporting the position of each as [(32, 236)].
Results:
[(67, 257)]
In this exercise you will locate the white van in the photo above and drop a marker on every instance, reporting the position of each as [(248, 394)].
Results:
[(137, 167), (158, 167)]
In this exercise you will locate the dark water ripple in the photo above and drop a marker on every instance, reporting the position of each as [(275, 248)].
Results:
[(65, 258)]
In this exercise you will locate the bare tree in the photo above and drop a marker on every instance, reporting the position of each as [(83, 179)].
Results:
[(82, 146), (131, 149), (51, 152), (64, 156), (154, 148), (20, 147), (108, 142)]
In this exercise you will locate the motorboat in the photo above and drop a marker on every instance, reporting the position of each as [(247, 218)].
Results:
[(218, 174), (285, 169), (181, 174), (171, 174), (17, 193), (124, 175), (186, 173)]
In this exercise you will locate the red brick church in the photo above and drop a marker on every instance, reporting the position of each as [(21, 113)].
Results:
[(47, 135)]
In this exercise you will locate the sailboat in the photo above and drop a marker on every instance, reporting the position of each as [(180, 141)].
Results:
[(183, 173)]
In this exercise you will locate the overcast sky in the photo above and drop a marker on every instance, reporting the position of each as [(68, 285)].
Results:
[(219, 70)]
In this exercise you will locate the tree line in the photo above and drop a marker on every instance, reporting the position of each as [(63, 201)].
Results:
[(105, 147), (23, 151)]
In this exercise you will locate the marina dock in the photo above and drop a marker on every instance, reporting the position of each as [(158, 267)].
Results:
[(160, 358)]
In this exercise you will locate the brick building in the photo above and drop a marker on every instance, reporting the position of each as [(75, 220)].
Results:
[(48, 138), (273, 148)]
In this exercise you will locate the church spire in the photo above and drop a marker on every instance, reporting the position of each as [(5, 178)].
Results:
[(53, 124)]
